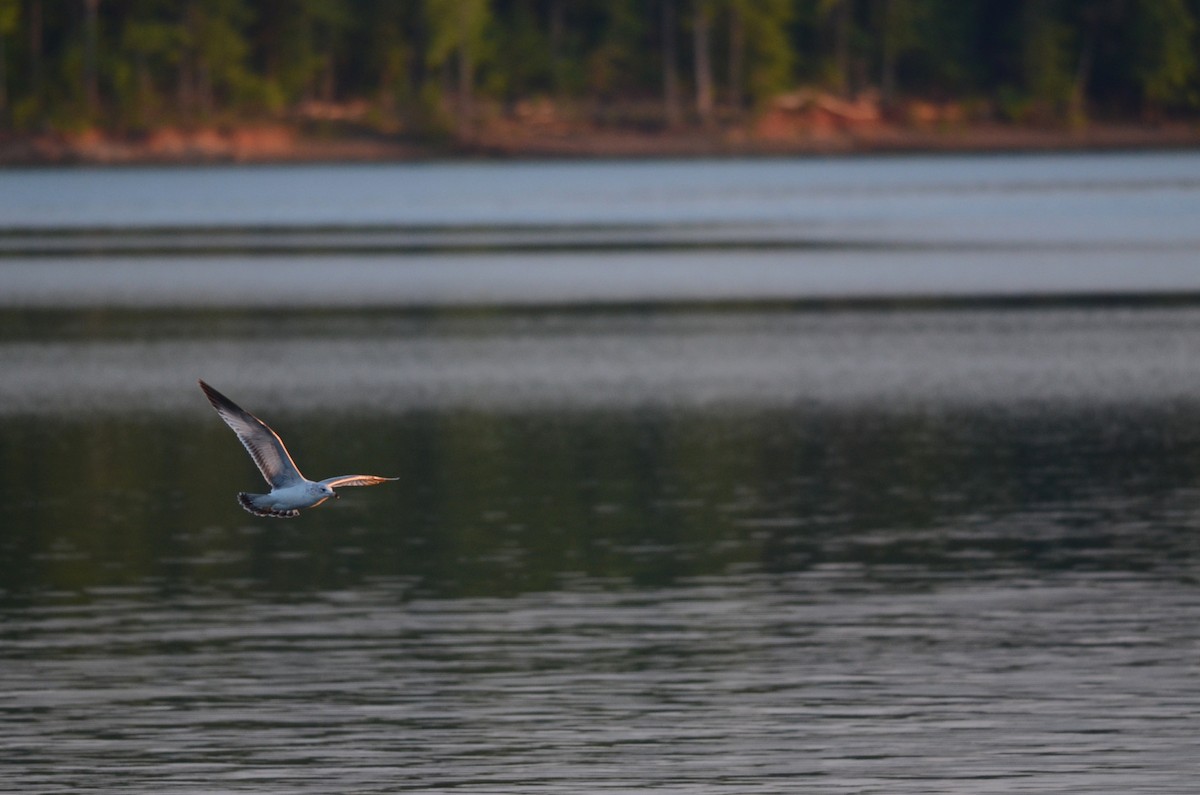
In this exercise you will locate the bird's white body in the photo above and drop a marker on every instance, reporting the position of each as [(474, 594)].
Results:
[(305, 494), (290, 491)]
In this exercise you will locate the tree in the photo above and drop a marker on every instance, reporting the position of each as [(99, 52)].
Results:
[(1046, 57), (1165, 58), (300, 42), (702, 58), (841, 13), (524, 54), (557, 24), (150, 39), (91, 84), (213, 59), (761, 52), (670, 70), (388, 63), (737, 55), (36, 67), (898, 33), (132, 62), (10, 15), (456, 33)]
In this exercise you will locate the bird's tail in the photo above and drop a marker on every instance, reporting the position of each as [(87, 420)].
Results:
[(257, 505)]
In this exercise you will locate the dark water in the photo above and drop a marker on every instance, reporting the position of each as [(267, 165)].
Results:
[(737, 545)]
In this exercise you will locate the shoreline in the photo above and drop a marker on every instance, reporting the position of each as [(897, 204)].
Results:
[(291, 144)]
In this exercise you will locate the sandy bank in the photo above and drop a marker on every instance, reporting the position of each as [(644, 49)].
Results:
[(287, 144)]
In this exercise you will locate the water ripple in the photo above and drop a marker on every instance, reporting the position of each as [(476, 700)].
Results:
[(732, 685)]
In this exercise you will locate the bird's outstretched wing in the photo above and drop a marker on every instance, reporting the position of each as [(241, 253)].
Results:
[(354, 480), (262, 443)]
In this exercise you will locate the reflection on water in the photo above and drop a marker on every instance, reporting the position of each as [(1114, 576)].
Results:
[(669, 530), (943, 549), (392, 363), (815, 682), (507, 503), (1146, 197), (520, 234)]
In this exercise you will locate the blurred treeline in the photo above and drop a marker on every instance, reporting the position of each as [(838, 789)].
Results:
[(430, 65)]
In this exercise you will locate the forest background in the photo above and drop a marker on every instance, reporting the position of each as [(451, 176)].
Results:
[(161, 79)]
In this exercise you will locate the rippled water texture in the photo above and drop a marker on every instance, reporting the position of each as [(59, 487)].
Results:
[(864, 476), (818, 681), (490, 235)]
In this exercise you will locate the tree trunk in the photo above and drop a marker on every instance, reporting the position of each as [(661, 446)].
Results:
[(328, 79), (1077, 110), (184, 91), (145, 90), (737, 58), (204, 89), (35, 51), (466, 80), (3, 82), (557, 34), (670, 75), (701, 30), (842, 47), (887, 77), (91, 82), (186, 88)]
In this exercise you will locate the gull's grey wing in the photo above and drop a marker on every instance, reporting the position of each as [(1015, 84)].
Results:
[(354, 480), (262, 443)]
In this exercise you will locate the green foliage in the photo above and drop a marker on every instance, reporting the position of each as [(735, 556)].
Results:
[(213, 34), (430, 64), (525, 50), (10, 14), (618, 62), (1165, 39), (298, 42), (455, 26), (1047, 51), (770, 54)]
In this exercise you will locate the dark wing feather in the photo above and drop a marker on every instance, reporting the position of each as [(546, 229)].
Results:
[(263, 444)]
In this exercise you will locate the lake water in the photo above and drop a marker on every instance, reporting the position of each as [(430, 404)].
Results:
[(875, 475)]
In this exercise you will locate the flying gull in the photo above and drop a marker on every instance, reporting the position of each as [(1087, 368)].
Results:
[(290, 491)]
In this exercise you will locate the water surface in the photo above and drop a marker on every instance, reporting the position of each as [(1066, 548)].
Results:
[(871, 476), (661, 232)]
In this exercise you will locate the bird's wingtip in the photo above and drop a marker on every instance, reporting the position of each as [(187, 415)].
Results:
[(217, 399)]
